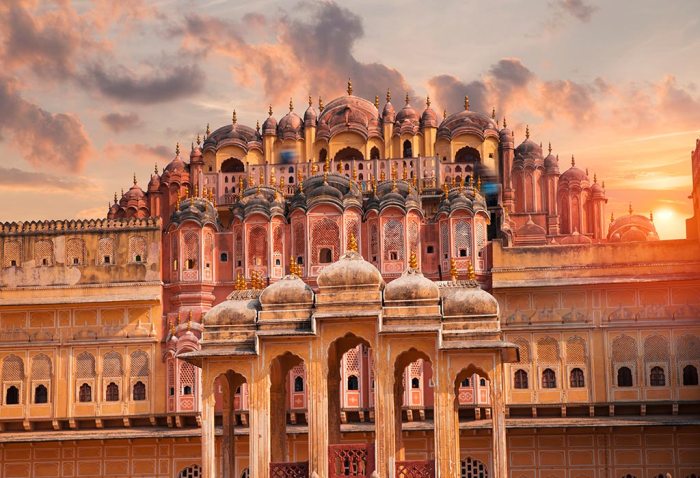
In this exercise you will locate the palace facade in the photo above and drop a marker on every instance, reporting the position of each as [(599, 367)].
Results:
[(360, 291)]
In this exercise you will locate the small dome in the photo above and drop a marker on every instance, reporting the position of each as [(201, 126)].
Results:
[(290, 123), (467, 300), (290, 290), (154, 183), (135, 193), (196, 154), (388, 114), (528, 150), (176, 165), (429, 118), (632, 228), (411, 286), (597, 190), (233, 312), (407, 113), (350, 271), (270, 124), (310, 116), (573, 174)]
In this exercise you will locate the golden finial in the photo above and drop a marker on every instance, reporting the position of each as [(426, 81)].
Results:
[(651, 216), (349, 87), (470, 182), (404, 173), (478, 184), (427, 101), (199, 140), (291, 105), (134, 179), (320, 104), (445, 189), (393, 185), (612, 217), (234, 118), (172, 327), (204, 192), (352, 243), (310, 101), (262, 177), (573, 161), (301, 185), (453, 270), (461, 184), (196, 190), (413, 261), (527, 131), (300, 175), (292, 265), (493, 113), (251, 181), (240, 184), (376, 101), (115, 197), (208, 132), (466, 102), (269, 110), (505, 124), (471, 275), (273, 179), (454, 181), (550, 147), (281, 182), (314, 168), (414, 181), (177, 149), (382, 176), (407, 98), (393, 170), (257, 126), (595, 178), (325, 175), (236, 283), (630, 209), (388, 95), (354, 173)]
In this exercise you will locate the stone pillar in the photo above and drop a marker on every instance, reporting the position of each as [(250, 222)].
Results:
[(384, 416), (259, 437), (208, 429), (228, 441), (317, 400), (498, 420), (446, 422)]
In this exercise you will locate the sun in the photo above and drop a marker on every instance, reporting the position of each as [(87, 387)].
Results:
[(669, 223)]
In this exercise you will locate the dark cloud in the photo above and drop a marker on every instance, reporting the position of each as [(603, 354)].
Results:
[(120, 83), (46, 140), (578, 9), (121, 122), (17, 179), (567, 98), (509, 76), (449, 92)]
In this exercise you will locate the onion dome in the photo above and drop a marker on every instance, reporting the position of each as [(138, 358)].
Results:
[(270, 124), (113, 209), (263, 200), (289, 293), (528, 150), (350, 271), (505, 134), (467, 122), (348, 113), (135, 193), (412, 286), (597, 191), (394, 193), (196, 153), (291, 124), (530, 229), (429, 118), (243, 311), (573, 174), (197, 209), (407, 113), (310, 116), (467, 299), (177, 164), (154, 183), (632, 228), (551, 162), (332, 188), (388, 114)]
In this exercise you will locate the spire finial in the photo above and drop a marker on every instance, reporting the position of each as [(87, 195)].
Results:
[(444, 113), (257, 126), (134, 179), (291, 105), (310, 101), (155, 170), (320, 104), (234, 118), (612, 217), (376, 101), (505, 124), (453, 270), (177, 149), (407, 98), (595, 178), (629, 209), (651, 216), (349, 87), (493, 113), (269, 110), (115, 197), (352, 242), (208, 131), (471, 275), (527, 131), (550, 147), (199, 140), (413, 261), (388, 95), (466, 103), (427, 101), (573, 161)]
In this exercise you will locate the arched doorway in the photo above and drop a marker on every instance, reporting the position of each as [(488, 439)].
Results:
[(349, 154), (374, 153), (232, 165), (407, 149), (467, 155), (231, 402)]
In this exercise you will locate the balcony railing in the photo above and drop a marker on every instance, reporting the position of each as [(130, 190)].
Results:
[(415, 469), (351, 460), (289, 470)]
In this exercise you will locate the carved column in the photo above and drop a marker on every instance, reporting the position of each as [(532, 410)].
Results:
[(498, 419), (446, 422), (317, 399), (259, 437), (208, 429), (384, 416), (228, 441)]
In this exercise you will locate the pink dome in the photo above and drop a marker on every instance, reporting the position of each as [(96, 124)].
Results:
[(632, 228)]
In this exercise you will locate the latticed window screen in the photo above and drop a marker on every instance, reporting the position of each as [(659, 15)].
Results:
[(352, 226), (352, 360), (471, 468), (463, 238), (139, 364), (85, 365), (208, 250), (191, 248), (257, 246), (41, 367), (325, 234), (548, 350), (624, 349), (75, 252), (171, 376), (12, 369), (278, 239), (112, 365), (413, 236), (137, 249), (656, 349), (524, 347), (105, 248), (11, 253), (187, 376), (416, 368), (43, 253), (576, 350), (480, 235), (299, 239), (688, 347), (194, 471), (373, 239), (444, 238), (393, 239), (239, 246)]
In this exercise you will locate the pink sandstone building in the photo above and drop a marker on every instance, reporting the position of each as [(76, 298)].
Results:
[(358, 291)]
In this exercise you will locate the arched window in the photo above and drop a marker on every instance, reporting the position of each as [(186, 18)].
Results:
[(322, 155), (520, 379), (624, 377), (12, 396), (41, 394), (232, 165), (465, 383), (690, 375), (657, 377), (112, 392), (298, 384), (576, 379), (353, 383), (549, 378), (407, 149), (325, 255), (471, 468), (415, 382), (482, 382), (139, 392), (194, 471), (187, 390), (85, 393), (374, 153)]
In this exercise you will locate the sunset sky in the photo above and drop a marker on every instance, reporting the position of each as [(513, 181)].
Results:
[(93, 91)]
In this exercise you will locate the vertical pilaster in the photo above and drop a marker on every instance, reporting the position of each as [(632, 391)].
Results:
[(228, 441), (384, 416), (208, 429), (259, 404), (498, 420), (318, 414), (446, 422)]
